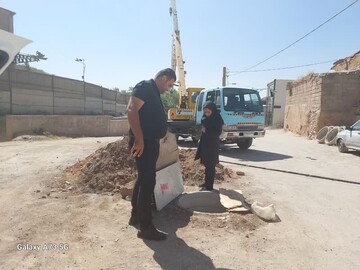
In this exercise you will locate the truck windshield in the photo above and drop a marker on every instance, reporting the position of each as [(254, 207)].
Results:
[(240, 99), (194, 96)]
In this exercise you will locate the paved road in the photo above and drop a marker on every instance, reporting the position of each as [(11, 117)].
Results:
[(320, 218), (285, 151), (319, 226)]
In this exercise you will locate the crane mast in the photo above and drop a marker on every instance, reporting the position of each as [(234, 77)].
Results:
[(183, 114), (177, 62)]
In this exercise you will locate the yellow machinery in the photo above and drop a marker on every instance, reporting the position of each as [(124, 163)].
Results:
[(187, 97), (185, 110)]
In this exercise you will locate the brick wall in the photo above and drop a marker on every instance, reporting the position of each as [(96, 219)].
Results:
[(318, 100), (303, 105), (340, 99), (348, 63)]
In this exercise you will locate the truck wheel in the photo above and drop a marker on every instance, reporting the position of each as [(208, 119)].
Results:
[(244, 143), (341, 146)]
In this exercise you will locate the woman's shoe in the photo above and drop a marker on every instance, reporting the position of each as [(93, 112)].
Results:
[(133, 221), (206, 189)]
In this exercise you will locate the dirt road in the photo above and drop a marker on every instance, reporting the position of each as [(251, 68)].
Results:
[(43, 228)]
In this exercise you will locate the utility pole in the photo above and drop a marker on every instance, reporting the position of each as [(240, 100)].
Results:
[(224, 77), (82, 61)]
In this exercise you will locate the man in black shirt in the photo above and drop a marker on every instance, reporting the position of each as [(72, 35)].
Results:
[(148, 125)]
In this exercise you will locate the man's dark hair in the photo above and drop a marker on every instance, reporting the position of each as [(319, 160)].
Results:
[(168, 72)]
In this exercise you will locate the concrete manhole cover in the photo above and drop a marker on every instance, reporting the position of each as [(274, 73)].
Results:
[(207, 202)]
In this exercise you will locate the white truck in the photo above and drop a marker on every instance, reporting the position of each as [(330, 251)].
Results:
[(241, 110)]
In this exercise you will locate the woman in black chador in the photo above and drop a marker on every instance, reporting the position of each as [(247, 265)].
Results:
[(208, 149)]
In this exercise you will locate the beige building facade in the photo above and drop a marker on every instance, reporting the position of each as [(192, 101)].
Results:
[(6, 20), (276, 102)]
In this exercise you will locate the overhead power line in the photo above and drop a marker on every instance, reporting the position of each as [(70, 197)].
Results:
[(287, 47), (271, 69)]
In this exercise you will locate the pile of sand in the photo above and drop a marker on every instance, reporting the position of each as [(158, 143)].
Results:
[(194, 173), (112, 169)]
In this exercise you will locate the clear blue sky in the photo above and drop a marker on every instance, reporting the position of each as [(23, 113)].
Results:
[(124, 42)]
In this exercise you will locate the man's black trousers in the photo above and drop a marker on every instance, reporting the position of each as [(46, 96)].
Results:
[(145, 183)]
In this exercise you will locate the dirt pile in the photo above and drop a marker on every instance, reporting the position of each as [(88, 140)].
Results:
[(112, 169), (193, 172)]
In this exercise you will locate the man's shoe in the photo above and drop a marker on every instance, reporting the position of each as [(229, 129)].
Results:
[(152, 233), (133, 220), (202, 185)]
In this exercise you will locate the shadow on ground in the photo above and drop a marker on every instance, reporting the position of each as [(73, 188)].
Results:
[(233, 151), (174, 253), (353, 152), (251, 154)]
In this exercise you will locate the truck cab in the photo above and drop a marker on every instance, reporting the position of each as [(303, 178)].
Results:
[(241, 110)]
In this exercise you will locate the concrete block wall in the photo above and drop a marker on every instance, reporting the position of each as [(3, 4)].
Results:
[(68, 96), (3, 129), (93, 99), (109, 99), (32, 93), (64, 125), (26, 92), (5, 96)]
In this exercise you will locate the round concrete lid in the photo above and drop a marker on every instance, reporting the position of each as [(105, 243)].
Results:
[(202, 202)]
